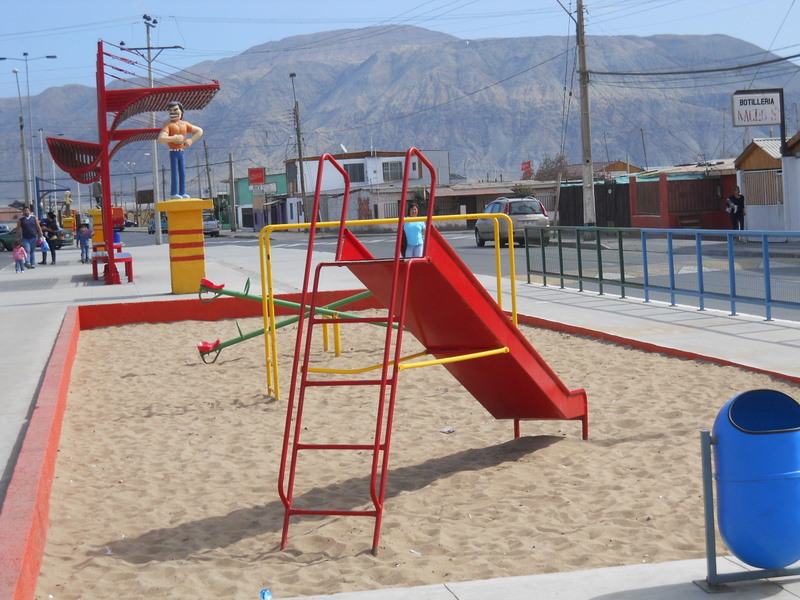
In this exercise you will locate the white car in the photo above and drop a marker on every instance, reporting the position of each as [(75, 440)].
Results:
[(211, 225), (524, 212)]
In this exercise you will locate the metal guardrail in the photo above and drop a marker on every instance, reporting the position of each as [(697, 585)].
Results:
[(713, 268)]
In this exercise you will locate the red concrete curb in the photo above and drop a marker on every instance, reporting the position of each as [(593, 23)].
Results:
[(25, 510), (24, 516), (24, 519), (646, 346)]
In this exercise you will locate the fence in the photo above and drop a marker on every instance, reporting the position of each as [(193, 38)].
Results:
[(711, 268)]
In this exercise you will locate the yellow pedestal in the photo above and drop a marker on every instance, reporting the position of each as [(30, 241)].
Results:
[(97, 225), (187, 258)]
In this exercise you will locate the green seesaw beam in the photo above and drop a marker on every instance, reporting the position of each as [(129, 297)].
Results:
[(209, 351)]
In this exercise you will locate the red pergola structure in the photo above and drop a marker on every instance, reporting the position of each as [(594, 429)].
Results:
[(87, 162)]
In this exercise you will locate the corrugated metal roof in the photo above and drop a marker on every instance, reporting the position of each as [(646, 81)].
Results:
[(771, 146), (477, 191)]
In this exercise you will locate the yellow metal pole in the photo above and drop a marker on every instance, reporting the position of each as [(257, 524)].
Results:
[(267, 280)]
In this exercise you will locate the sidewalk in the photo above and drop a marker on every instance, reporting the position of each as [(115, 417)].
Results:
[(33, 305)]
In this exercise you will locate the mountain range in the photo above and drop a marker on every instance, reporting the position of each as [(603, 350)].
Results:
[(493, 103)]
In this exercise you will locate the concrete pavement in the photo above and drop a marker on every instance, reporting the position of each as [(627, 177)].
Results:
[(33, 305)]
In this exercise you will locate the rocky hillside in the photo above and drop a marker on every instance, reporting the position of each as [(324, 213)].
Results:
[(492, 103)]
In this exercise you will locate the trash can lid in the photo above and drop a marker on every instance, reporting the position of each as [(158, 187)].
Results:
[(764, 411)]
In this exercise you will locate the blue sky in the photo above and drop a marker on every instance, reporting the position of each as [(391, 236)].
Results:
[(209, 30)]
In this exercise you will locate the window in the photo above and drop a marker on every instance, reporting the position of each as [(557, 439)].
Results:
[(355, 171), (529, 207), (392, 171)]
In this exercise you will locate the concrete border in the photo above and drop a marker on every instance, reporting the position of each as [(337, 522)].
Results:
[(647, 346), (24, 519), (25, 512)]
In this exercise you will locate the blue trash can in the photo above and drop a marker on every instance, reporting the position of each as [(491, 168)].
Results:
[(757, 468)]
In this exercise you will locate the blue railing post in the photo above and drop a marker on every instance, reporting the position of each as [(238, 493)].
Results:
[(732, 273), (698, 242), (621, 263), (767, 277), (560, 257), (645, 270), (671, 261), (599, 248), (578, 233)]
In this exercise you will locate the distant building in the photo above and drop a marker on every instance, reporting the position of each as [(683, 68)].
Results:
[(376, 180), (602, 170)]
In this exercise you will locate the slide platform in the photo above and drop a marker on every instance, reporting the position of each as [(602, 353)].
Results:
[(450, 313)]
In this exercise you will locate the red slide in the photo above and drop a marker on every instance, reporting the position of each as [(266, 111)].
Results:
[(451, 313)]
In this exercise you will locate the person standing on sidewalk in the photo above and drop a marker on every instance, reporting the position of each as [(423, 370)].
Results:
[(735, 207), (84, 240), (20, 257), (414, 234), (28, 232), (50, 227)]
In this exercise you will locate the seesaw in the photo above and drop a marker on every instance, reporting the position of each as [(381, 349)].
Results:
[(209, 351)]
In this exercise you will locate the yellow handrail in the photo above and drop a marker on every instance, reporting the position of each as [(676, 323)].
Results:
[(265, 251), (452, 359), (362, 369)]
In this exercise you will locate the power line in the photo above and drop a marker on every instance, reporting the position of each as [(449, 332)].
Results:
[(696, 71)]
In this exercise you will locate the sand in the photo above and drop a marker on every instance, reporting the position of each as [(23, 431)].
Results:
[(166, 480)]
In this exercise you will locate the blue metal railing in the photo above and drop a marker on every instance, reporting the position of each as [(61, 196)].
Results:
[(717, 269)]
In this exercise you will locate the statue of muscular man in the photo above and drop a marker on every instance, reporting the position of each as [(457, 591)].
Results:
[(178, 134)]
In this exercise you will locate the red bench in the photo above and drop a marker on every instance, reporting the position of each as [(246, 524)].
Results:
[(123, 257)]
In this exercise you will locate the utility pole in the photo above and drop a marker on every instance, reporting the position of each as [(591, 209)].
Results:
[(150, 23), (586, 130), (231, 193), (22, 148), (306, 209), (199, 179), (208, 170)]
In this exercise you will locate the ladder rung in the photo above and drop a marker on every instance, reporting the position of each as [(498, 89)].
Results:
[(355, 513), (347, 382), (338, 446), (377, 319)]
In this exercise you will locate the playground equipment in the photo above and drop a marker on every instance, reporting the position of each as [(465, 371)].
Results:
[(209, 351), (756, 443), (87, 162), (438, 300)]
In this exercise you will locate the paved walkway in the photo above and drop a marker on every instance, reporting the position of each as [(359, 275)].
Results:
[(33, 304)]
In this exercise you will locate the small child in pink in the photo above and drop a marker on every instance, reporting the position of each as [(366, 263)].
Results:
[(20, 257)]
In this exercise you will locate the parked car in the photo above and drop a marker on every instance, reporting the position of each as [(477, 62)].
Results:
[(129, 223), (151, 225), (211, 225), (5, 227), (63, 238), (524, 212), (7, 239)]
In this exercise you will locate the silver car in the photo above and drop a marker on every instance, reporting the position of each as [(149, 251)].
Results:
[(524, 212)]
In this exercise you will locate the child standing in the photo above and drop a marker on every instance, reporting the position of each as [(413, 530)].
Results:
[(20, 257), (84, 236)]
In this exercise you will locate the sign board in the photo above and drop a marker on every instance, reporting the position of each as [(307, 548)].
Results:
[(757, 107), (144, 196), (256, 176), (270, 187)]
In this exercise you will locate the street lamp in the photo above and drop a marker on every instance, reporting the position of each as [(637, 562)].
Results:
[(22, 143), (26, 58)]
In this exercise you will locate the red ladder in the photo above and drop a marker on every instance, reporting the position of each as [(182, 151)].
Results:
[(386, 383)]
